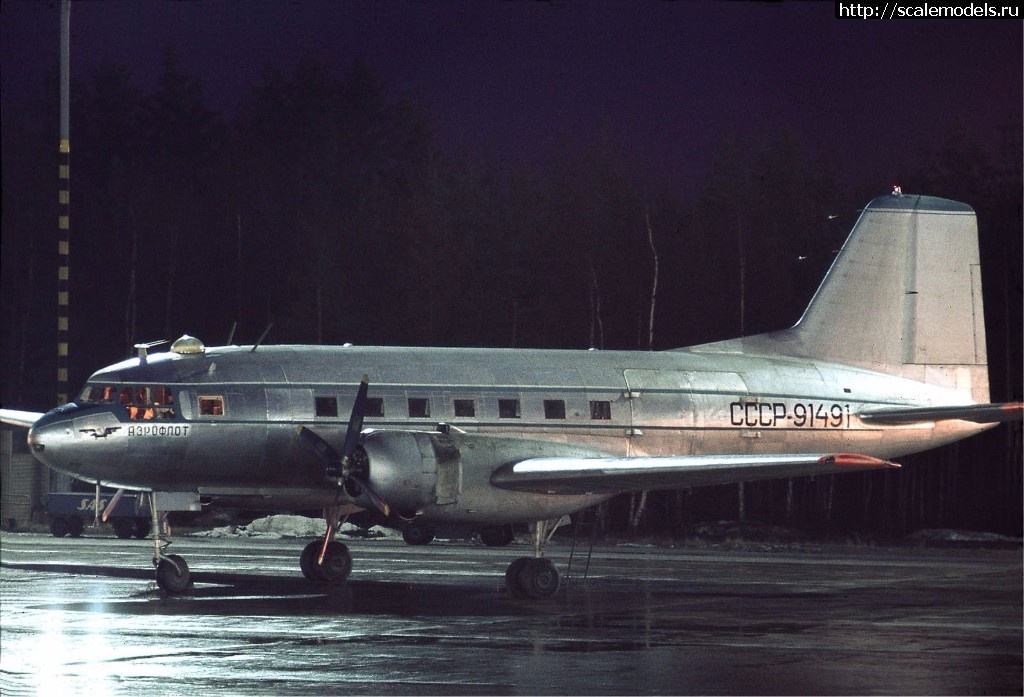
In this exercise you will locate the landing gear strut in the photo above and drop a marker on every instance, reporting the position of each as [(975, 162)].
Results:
[(533, 577), (172, 574)]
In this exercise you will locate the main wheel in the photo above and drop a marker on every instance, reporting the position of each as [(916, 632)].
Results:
[(59, 527), (417, 533), (496, 535), (538, 579), (307, 561), (75, 526), (512, 576), (123, 528), (172, 575), (337, 564)]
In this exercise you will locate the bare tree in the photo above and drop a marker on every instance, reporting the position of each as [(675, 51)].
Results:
[(639, 501)]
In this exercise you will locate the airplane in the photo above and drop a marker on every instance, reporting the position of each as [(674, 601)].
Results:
[(889, 358)]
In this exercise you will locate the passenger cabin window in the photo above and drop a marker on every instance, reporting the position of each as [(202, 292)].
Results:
[(326, 406), (554, 409), (419, 408), (464, 407), (600, 409), (375, 406), (508, 408), (211, 405)]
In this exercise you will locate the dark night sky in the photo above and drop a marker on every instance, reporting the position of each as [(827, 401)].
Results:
[(665, 81)]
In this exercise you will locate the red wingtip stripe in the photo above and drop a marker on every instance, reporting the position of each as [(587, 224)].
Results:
[(1013, 407), (856, 460)]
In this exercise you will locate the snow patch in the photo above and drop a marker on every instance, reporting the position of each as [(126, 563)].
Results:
[(946, 535), (291, 526)]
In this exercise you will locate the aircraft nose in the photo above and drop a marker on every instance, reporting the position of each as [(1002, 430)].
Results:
[(49, 437)]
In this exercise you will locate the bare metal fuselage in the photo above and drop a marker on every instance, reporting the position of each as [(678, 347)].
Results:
[(624, 404)]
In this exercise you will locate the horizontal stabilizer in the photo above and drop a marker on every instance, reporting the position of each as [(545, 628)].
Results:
[(976, 413), (569, 475), (15, 417)]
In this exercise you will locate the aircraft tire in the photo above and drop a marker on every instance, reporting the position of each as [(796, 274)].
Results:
[(496, 535), (539, 579), (123, 528), (337, 564), (307, 561), (512, 576), (59, 527), (75, 526), (172, 575), (417, 533)]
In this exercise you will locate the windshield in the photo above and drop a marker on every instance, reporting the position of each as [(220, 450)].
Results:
[(143, 402)]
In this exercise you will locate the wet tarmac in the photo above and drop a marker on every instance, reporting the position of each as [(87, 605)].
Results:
[(84, 617)]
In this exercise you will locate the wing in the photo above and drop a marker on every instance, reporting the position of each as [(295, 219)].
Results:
[(977, 413), (19, 418), (569, 475)]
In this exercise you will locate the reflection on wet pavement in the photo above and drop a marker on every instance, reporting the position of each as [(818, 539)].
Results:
[(83, 616)]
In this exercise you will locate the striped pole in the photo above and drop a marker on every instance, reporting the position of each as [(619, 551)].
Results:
[(63, 270), (64, 206)]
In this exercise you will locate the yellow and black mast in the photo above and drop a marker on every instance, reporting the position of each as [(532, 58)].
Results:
[(64, 207)]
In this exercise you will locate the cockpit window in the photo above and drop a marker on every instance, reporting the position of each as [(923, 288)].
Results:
[(143, 403), (99, 394)]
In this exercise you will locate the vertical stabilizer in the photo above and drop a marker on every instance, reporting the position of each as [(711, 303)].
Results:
[(903, 296)]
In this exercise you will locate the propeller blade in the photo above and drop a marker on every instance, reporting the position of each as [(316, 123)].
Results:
[(355, 421), (332, 461), (375, 499), (340, 466)]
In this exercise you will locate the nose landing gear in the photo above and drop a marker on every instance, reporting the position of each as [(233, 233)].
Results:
[(172, 573)]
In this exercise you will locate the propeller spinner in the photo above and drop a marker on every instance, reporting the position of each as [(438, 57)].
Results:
[(350, 469)]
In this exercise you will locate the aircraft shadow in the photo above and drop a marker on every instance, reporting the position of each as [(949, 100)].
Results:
[(242, 594), (232, 593)]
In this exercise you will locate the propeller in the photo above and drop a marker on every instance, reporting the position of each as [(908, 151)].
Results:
[(351, 468)]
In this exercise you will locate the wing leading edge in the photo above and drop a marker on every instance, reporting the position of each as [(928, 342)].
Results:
[(567, 475), (14, 417)]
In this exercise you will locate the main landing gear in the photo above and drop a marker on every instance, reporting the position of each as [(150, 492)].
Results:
[(534, 577), (327, 560)]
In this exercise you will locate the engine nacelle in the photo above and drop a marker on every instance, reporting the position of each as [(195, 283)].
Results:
[(448, 475), (403, 468)]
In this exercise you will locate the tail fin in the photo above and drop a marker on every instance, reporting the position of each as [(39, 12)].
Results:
[(903, 296)]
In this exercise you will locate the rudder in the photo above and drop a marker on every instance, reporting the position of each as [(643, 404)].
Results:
[(903, 296)]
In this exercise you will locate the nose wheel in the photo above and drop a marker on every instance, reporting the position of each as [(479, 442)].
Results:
[(172, 573)]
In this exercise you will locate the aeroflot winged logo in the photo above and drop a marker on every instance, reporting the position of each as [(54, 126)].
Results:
[(101, 432), (888, 359)]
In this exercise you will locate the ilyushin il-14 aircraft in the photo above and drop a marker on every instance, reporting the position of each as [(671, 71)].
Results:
[(889, 358)]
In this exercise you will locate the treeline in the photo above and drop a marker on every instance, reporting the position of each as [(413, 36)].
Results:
[(325, 207)]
